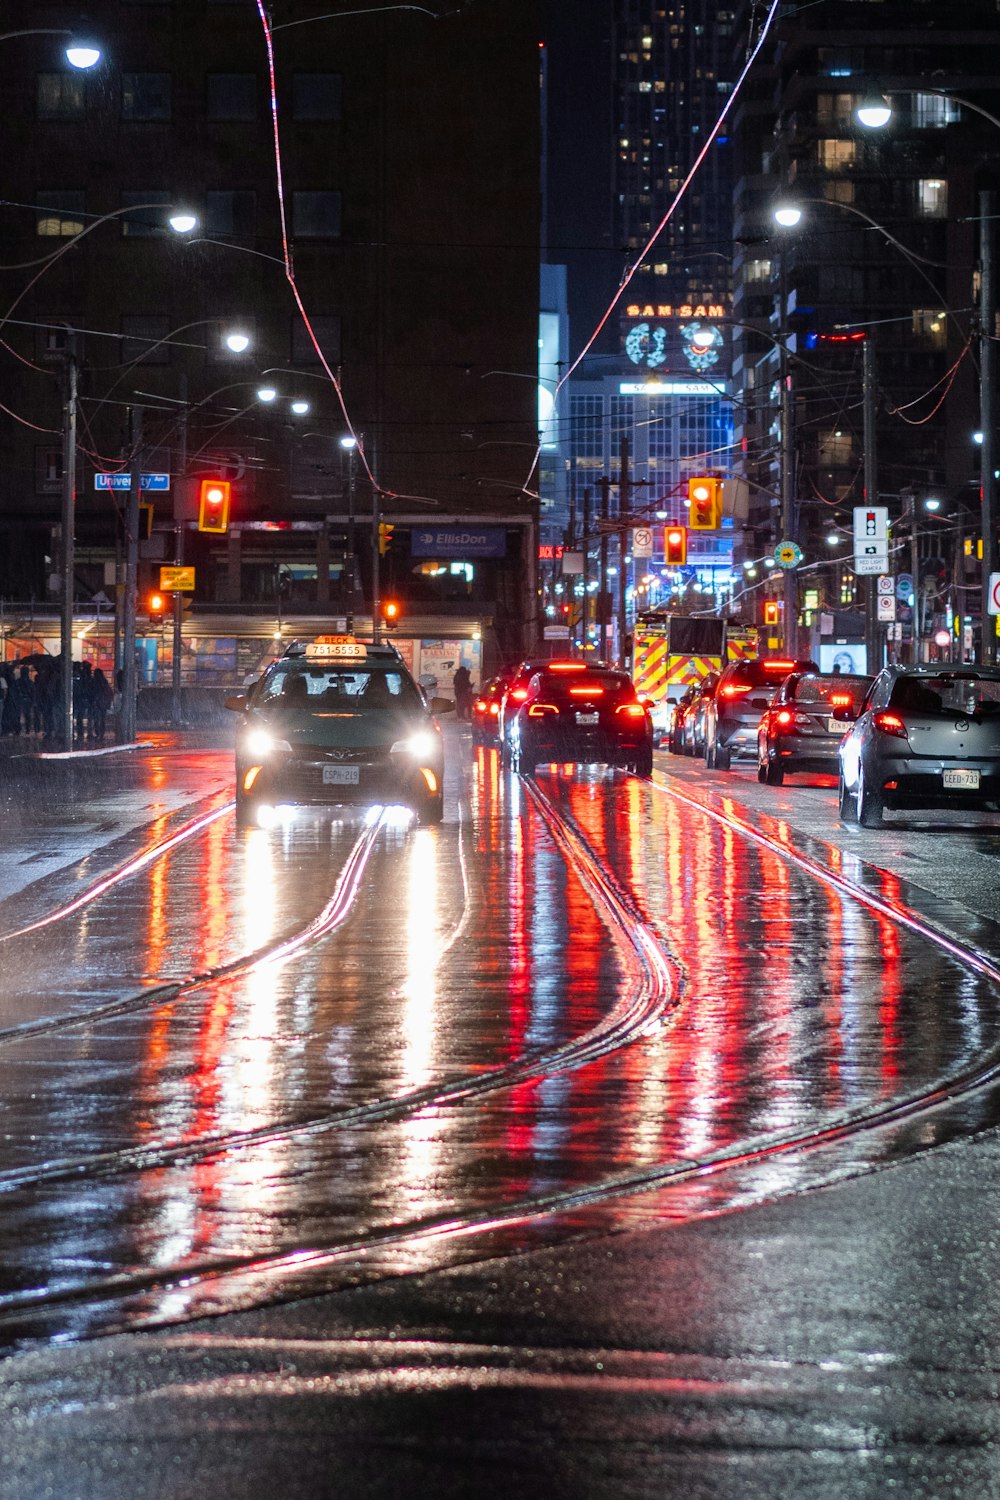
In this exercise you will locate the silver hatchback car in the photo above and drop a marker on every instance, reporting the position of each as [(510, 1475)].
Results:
[(926, 736)]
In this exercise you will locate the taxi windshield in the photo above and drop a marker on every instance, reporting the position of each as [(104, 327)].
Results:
[(328, 689)]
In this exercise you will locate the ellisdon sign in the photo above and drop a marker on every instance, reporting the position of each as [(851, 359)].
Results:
[(458, 541)]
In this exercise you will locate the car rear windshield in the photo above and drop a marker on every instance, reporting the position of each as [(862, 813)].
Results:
[(570, 685), (343, 690), (839, 691), (947, 694), (757, 673)]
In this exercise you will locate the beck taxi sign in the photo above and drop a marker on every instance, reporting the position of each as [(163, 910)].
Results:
[(342, 646)]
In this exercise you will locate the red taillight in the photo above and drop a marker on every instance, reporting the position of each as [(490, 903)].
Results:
[(631, 710), (539, 710), (840, 700), (494, 709), (519, 694), (566, 666), (784, 717), (890, 724), (479, 707), (734, 690), (586, 692), (778, 666)]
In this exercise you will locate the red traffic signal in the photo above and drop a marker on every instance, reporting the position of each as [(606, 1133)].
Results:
[(704, 502), (213, 505), (675, 545), (156, 603), (771, 612), (390, 612)]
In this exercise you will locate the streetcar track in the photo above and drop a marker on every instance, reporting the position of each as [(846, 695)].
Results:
[(627, 1021)]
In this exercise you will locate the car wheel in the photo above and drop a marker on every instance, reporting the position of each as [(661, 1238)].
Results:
[(431, 812), (710, 754), (643, 763), (246, 811), (846, 801), (761, 771), (723, 757), (870, 804), (774, 774)]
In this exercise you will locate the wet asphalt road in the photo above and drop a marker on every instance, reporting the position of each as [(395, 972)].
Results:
[(488, 1088)]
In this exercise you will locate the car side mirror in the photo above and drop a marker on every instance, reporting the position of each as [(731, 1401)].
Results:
[(236, 701)]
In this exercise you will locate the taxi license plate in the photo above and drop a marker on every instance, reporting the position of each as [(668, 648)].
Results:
[(962, 781), (341, 775), (588, 718)]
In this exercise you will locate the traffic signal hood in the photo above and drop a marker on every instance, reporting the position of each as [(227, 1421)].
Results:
[(675, 545), (704, 503), (771, 612), (213, 505), (385, 530), (390, 611)]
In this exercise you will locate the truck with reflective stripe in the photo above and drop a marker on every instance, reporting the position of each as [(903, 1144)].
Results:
[(670, 651)]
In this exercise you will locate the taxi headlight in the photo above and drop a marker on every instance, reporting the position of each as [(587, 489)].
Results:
[(261, 742), (422, 745)]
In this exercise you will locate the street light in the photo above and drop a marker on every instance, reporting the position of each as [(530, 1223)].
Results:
[(349, 446), (79, 53)]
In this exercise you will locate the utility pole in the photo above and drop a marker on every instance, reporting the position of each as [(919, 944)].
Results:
[(873, 642), (585, 577), (787, 466), (915, 575), (987, 380), (602, 564), (180, 496), (68, 558), (349, 555), (129, 682), (624, 508)]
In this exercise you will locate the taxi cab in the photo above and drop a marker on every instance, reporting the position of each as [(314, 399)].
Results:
[(337, 721)]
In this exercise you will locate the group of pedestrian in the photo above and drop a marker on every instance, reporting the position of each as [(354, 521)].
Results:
[(31, 699)]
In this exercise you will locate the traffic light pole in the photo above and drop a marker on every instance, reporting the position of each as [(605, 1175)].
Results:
[(873, 643), (987, 385), (68, 551), (787, 467), (180, 496), (127, 719), (624, 507)]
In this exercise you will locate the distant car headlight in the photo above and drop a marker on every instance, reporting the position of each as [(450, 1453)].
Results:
[(261, 742), (422, 745)]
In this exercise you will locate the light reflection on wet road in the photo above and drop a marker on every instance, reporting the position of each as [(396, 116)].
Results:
[(466, 949)]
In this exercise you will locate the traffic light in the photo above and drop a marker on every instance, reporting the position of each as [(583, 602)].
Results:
[(390, 612), (705, 502), (675, 545), (771, 612), (385, 530), (213, 505), (156, 602)]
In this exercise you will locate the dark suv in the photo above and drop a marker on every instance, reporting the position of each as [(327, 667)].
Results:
[(744, 692)]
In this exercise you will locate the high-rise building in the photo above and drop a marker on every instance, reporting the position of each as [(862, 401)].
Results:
[(886, 251), (408, 204)]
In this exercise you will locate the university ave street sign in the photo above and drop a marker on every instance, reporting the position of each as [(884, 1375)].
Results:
[(124, 481)]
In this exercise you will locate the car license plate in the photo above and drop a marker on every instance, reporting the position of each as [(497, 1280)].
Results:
[(588, 718), (834, 726), (341, 775), (962, 781)]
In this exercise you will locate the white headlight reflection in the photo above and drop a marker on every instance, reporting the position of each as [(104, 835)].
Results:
[(261, 742), (421, 745)]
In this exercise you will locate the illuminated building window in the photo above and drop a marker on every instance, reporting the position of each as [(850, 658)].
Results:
[(930, 326), (835, 155), (836, 447), (838, 192), (835, 109), (930, 111), (757, 270), (59, 214), (932, 198)]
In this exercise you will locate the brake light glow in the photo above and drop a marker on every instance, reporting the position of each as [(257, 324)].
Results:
[(494, 709), (519, 694), (778, 666), (586, 692), (735, 689), (566, 666), (840, 700), (890, 724), (479, 706), (784, 717), (539, 710), (631, 710)]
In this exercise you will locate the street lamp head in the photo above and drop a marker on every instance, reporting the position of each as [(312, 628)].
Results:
[(932, 504), (832, 539), (300, 408), (182, 222), (874, 111), (787, 215), (82, 55), (348, 442), (237, 342), (266, 393)]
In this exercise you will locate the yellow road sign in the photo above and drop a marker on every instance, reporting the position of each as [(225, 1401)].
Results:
[(174, 580)]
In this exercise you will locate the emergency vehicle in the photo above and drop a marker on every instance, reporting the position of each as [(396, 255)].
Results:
[(672, 651)]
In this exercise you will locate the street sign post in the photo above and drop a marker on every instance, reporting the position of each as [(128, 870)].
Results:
[(642, 541), (886, 607), (994, 595)]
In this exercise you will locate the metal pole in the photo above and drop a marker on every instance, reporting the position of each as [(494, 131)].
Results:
[(873, 643), (787, 464), (349, 554), (68, 546), (585, 579), (987, 378), (129, 682), (915, 575), (602, 564), (624, 503), (180, 495)]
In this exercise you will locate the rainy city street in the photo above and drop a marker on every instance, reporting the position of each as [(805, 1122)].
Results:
[(606, 1121)]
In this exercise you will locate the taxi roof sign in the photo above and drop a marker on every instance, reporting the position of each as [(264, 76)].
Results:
[(324, 647)]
